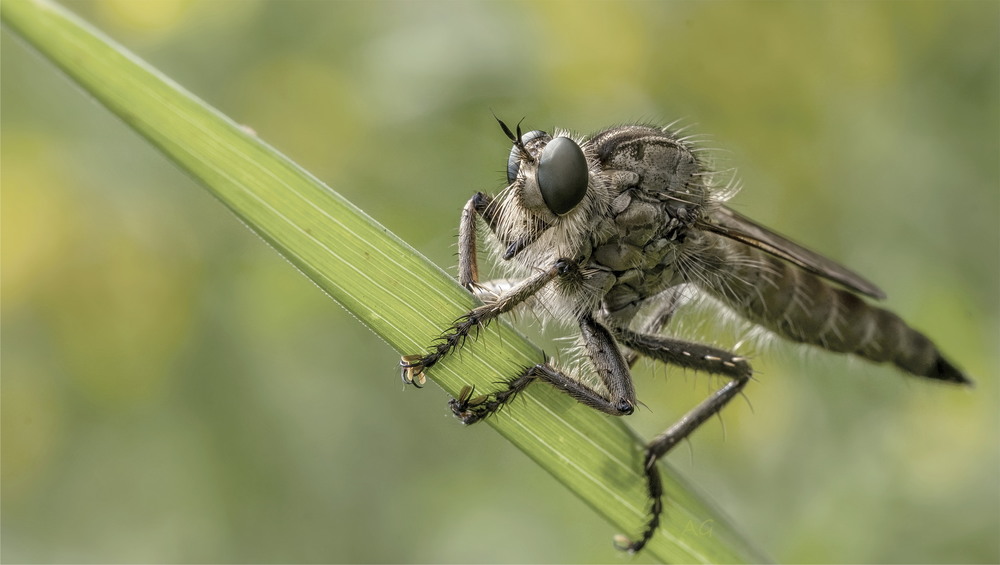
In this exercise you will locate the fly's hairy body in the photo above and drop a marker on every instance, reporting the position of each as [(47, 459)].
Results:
[(602, 228), (639, 232)]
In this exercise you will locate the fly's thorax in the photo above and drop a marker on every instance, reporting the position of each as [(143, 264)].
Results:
[(660, 191), (662, 164), (620, 203)]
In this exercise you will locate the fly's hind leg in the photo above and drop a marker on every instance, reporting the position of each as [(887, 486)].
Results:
[(692, 356)]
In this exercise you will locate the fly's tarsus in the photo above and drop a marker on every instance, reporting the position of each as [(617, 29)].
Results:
[(470, 409), (413, 366), (654, 489)]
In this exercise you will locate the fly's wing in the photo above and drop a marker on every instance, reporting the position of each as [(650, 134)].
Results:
[(733, 225)]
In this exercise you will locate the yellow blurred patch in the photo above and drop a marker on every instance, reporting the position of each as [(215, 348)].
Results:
[(104, 284), (154, 20), (37, 219), (158, 17)]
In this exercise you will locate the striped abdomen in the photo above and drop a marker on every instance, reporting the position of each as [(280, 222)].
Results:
[(802, 307)]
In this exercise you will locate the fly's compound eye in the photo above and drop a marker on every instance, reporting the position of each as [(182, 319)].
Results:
[(514, 161), (562, 175)]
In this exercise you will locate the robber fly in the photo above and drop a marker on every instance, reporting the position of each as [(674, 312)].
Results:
[(630, 220)]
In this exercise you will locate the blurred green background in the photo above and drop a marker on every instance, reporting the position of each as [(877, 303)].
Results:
[(173, 391)]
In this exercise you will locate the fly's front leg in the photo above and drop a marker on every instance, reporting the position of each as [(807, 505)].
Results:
[(481, 204), (468, 276), (693, 356), (414, 365), (468, 267)]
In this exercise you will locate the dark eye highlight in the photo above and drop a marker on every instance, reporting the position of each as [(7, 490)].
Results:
[(562, 175)]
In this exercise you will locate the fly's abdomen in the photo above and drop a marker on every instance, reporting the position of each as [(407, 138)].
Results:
[(802, 307)]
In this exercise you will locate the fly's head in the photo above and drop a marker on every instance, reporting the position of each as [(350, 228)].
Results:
[(552, 174), (552, 196)]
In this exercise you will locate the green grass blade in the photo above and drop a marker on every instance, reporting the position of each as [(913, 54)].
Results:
[(389, 287)]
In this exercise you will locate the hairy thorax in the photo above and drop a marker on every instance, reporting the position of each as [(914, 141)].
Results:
[(630, 234)]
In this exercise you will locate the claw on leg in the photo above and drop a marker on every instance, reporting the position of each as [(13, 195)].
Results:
[(623, 543), (467, 408), (413, 370)]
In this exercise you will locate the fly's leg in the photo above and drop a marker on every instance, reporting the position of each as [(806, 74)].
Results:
[(468, 275), (470, 409), (604, 355), (685, 354), (413, 366), (481, 204), (607, 359), (692, 356), (468, 267)]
